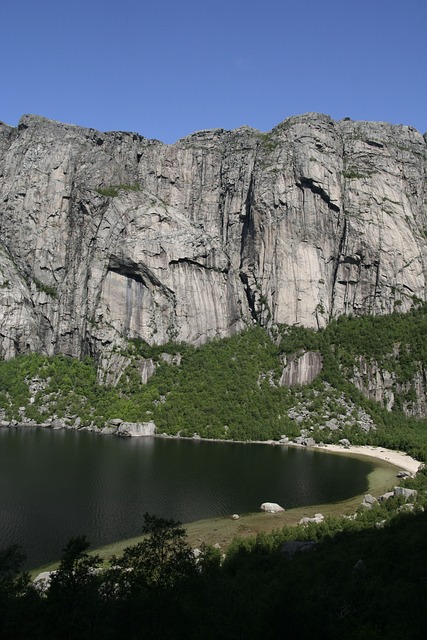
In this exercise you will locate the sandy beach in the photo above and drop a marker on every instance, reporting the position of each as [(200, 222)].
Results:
[(398, 458)]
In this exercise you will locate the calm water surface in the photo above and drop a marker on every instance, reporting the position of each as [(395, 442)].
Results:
[(55, 484)]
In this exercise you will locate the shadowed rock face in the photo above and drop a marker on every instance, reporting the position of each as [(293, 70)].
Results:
[(315, 219)]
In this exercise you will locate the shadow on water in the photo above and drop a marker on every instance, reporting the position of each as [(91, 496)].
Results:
[(55, 484)]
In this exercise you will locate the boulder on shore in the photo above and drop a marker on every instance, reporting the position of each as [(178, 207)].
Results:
[(136, 429), (369, 501), (317, 519), (271, 507), (405, 492), (304, 441)]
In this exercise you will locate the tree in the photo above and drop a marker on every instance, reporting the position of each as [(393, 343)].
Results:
[(17, 598), (151, 578), (163, 558), (73, 596)]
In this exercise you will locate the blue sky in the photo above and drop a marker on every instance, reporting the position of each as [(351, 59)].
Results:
[(168, 68)]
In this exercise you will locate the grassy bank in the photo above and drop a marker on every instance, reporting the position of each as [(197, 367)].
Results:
[(224, 530)]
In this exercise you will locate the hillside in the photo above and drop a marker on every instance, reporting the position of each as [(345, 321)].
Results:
[(295, 383)]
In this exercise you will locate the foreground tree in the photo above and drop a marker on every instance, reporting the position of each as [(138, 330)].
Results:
[(147, 587), (73, 603), (18, 599)]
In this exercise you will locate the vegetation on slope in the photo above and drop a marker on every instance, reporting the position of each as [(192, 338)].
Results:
[(230, 388)]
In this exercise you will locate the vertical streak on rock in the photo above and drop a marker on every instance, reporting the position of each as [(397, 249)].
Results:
[(129, 306), (247, 248), (341, 247)]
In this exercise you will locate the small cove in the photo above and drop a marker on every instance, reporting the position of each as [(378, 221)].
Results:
[(55, 484)]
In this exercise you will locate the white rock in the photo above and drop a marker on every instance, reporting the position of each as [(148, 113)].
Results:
[(42, 580), (317, 519), (136, 429), (271, 507), (403, 491)]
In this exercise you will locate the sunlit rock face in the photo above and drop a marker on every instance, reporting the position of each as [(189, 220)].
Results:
[(221, 229), (301, 369)]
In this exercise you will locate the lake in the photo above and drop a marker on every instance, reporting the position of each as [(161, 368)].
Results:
[(55, 484)]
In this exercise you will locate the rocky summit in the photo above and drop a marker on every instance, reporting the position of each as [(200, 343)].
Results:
[(107, 237)]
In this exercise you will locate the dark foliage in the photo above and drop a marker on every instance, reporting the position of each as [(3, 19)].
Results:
[(357, 582)]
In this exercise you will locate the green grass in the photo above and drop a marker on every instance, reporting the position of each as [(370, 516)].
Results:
[(114, 190), (45, 288), (352, 174)]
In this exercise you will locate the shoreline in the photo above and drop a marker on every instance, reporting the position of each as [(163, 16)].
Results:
[(222, 529), (396, 458), (393, 456)]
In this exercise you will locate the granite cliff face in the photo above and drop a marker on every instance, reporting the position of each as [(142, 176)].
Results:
[(110, 236)]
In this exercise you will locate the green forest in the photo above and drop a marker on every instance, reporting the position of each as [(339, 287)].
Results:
[(230, 388)]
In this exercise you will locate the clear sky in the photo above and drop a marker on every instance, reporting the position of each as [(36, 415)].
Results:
[(168, 68)]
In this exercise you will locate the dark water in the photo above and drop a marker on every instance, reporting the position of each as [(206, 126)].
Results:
[(55, 484)]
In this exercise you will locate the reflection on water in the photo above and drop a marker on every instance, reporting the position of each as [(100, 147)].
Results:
[(55, 484)]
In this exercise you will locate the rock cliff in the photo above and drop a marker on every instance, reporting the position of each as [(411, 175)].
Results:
[(106, 237)]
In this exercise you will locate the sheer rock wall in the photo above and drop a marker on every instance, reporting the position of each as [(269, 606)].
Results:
[(221, 229)]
